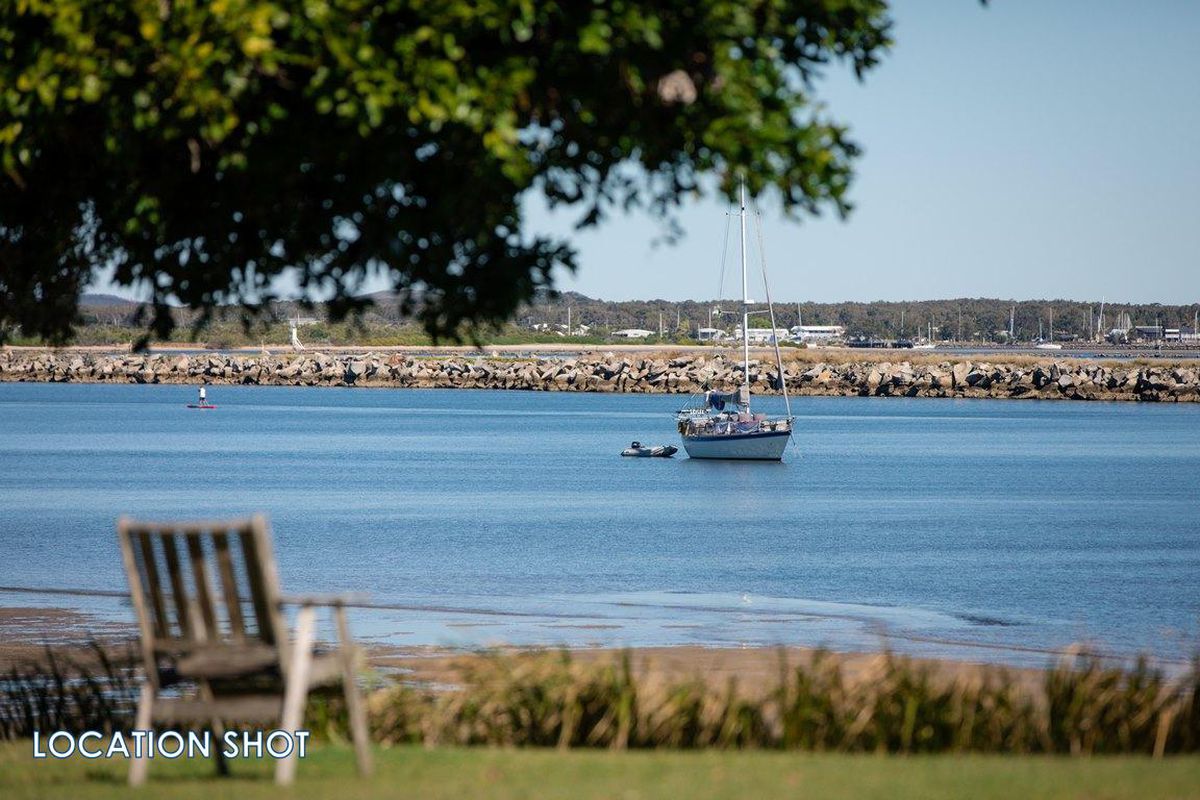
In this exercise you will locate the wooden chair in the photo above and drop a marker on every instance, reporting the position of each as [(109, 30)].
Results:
[(210, 613)]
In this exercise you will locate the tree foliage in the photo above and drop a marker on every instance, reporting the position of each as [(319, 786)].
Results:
[(202, 147)]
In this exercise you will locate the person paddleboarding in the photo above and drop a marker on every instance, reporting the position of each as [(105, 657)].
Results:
[(202, 400)]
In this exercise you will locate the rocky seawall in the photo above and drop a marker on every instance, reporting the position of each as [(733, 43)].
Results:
[(921, 377)]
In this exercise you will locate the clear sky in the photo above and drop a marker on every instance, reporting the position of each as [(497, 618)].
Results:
[(1027, 149)]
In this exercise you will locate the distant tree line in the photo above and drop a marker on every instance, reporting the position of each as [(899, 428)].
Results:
[(968, 319)]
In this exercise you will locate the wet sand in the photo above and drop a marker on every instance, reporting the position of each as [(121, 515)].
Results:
[(26, 632)]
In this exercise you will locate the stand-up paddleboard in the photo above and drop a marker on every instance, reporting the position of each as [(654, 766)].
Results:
[(202, 400)]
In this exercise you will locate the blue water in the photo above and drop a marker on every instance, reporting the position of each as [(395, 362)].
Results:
[(993, 530)]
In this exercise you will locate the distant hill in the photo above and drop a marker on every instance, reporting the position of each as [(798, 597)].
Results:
[(980, 319), (103, 300)]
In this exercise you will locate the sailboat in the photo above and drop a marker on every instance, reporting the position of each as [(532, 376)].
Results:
[(723, 426), (1050, 345), (928, 343)]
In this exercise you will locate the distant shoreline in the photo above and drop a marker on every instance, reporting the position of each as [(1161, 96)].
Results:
[(810, 372), (952, 350)]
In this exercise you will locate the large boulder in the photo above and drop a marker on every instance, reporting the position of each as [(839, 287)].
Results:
[(959, 372)]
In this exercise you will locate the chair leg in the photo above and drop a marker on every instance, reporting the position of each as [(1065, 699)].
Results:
[(354, 704), (295, 695), (139, 765), (218, 732), (217, 726)]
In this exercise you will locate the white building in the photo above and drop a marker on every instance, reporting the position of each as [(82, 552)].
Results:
[(632, 333), (711, 334), (818, 333), (764, 335)]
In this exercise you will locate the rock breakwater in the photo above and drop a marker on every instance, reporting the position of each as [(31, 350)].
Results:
[(685, 374)]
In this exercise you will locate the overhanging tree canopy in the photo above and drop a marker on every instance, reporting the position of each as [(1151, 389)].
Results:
[(202, 147)]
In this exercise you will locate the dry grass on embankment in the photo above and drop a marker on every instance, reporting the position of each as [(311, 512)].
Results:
[(897, 706)]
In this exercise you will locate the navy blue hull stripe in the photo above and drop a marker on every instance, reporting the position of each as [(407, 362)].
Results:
[(735, 436)]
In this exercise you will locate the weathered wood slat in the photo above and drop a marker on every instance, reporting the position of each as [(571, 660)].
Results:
[(178, 591), (254, 571), (240, 708), (162, 625), (204, 596), (137, 595), (215, 663), (229, 586), (270, 585)]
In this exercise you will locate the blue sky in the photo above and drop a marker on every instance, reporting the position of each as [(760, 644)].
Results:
[(1020, 150), (1026, 149)]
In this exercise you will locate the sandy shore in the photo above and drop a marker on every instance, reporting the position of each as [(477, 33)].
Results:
[(755, 670), (26, 632)]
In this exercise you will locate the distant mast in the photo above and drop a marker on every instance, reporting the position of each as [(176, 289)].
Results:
[(745, 298)]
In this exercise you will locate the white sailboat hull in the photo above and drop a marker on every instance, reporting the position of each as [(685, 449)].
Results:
[(768, 446)]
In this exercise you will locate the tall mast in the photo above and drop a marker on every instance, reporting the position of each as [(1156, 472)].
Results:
[(745, 297)]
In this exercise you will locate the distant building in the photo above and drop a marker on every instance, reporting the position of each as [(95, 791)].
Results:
[(632, 333), (711, 334), (764, 335), (1148, 333), (818, 333)]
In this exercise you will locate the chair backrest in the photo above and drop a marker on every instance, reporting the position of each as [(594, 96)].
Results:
[(201, 585)]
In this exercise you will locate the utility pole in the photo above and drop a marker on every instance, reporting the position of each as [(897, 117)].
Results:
[(569, 319)]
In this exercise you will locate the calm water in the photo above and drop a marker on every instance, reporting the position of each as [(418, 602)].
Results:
[(978, 529)]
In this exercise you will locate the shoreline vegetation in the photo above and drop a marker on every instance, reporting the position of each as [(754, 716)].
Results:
[(788, 699), (634, 370)]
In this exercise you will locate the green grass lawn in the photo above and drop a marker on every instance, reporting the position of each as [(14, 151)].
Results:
[(457, 773)]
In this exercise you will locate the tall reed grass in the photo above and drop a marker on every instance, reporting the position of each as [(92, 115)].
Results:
[(1080, 706), (74, 691)]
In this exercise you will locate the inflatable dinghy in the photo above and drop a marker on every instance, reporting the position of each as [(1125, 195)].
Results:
[(637, 449)]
